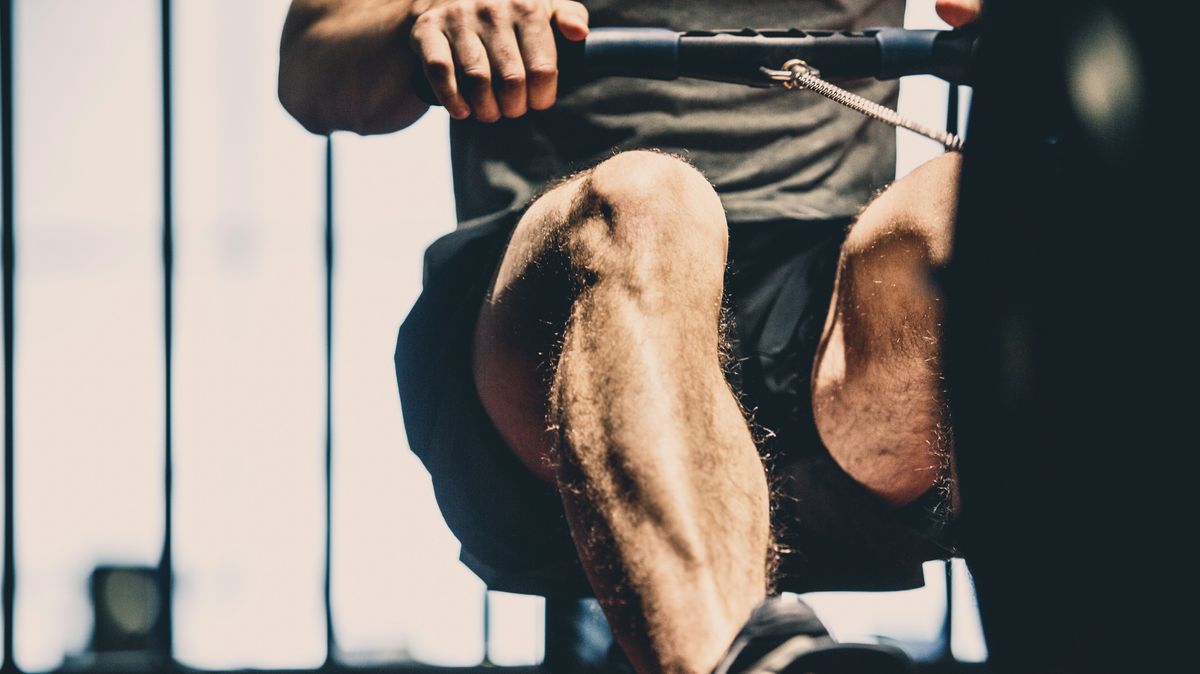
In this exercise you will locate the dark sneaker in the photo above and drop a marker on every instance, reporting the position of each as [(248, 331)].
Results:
[(784, 636)]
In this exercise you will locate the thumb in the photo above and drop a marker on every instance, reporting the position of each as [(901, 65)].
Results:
[(571, 19), (959, 13)]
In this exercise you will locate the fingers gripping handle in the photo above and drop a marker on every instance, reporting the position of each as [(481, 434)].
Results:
[(651, 53), (736, 56)]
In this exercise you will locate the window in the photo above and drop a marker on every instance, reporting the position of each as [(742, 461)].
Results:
[(287, 254)]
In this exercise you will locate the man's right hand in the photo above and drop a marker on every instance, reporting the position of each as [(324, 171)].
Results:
[(493, 58)]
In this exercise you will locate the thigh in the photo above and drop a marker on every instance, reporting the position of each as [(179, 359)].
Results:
[(510, 524), (642, 218), (878, 392), (832, 532), (519, 328)]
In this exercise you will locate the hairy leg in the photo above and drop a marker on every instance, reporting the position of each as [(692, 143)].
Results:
[(597, 358), (878, 397)]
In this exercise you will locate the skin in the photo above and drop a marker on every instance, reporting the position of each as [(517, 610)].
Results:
[(878, 398), (596, 351), (959, 13), (348, 64), (621, 270), (491, 59)]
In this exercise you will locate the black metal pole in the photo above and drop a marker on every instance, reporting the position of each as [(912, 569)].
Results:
[(952, 109), (165, 564), (487, 628), (947, 655), (6, 242), (330, 643), (9, 259)]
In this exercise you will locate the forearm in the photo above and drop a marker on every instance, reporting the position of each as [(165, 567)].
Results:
[(346, 65)]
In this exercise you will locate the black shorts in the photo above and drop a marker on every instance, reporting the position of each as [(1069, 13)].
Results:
[(833, 533)]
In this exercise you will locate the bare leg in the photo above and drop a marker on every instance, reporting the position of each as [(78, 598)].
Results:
[(664, 489), (878, 397)]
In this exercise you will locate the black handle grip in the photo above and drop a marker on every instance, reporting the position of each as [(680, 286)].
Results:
[(736, 56), (948, 54)]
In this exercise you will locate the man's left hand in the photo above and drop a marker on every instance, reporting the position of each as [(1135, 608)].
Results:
[(959, 13)]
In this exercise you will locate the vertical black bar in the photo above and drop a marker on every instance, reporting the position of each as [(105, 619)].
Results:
[(487, 628), (329, 637), (947, 655), (165, 564), (947, 637), (6, 240), (952, 107)]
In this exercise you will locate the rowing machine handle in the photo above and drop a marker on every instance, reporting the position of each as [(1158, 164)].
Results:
[(736, 56)]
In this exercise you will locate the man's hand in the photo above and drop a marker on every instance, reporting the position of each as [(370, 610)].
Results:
[(493, 58), (959, 13)]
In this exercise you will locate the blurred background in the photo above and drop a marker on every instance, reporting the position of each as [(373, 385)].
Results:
[(165, 209)]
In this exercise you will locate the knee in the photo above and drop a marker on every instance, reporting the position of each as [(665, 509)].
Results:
[(645, 182), (641, 209), (912, 222)]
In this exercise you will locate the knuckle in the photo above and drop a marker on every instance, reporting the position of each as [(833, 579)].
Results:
[(424, 23), (425, 32), (490, 12), (542, 72), (526, 8), (439, 68), (456, 13), (512, 80), (477, 77)]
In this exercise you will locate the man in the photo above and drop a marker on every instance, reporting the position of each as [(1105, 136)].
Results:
[(562, 375)]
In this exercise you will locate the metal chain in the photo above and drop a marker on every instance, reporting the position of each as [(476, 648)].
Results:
[(797, 74)]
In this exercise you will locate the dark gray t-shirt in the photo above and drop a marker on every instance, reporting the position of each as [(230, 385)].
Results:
[(772, 154)]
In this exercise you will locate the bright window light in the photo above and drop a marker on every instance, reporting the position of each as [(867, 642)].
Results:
[(399, 591), (250, 349), (89, 384)]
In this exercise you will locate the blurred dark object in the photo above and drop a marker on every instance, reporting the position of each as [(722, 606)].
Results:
[(1070, 349), (128, 628), (579, 640)]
